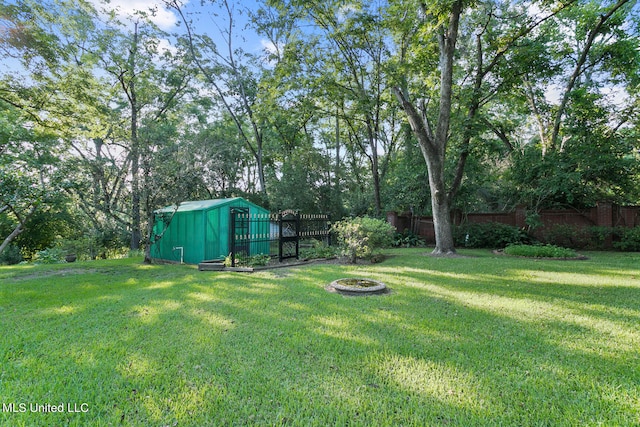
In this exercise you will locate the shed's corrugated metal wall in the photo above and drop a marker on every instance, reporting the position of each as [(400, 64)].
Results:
[(202, 233), (213, 237), (181, 238)]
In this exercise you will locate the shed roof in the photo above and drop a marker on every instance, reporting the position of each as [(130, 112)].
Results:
[(200, 205)]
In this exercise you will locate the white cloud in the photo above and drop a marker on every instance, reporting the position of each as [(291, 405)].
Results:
[(164, 46), (345, 11), (269, 47), (271, 52), (127, 9)]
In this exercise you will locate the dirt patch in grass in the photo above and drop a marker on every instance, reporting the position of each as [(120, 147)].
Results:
[(446, 255), (287, 263), (64, 272)]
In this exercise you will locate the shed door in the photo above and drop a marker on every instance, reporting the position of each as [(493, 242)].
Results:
[(239, 230)]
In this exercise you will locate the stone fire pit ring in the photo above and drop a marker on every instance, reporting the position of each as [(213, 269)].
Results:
[(357, 286)]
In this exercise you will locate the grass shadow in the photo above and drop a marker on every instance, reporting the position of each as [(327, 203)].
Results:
[(469, 341)]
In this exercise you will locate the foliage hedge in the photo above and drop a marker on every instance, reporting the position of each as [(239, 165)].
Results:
[(627, 239), (407, 239), (540, 251), (594, 238), (11, 255), (497, 236), (318, 249), (572, 236), (488, 235), (244, 260)]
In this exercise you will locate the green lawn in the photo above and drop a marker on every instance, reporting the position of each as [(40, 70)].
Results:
[(479, 340)]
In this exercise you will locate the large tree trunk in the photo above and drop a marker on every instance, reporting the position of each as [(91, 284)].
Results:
[(434, 143), (372, 135), (434, 156), (440, 208)]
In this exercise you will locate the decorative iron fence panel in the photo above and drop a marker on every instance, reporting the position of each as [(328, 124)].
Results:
[(275, 234)]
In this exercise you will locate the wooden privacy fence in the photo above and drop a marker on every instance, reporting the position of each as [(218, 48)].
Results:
[(251, 234), (604, 214)]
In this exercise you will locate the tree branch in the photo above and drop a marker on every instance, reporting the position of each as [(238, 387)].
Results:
[(578, 70)]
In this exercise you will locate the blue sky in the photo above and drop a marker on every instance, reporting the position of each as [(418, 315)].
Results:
[(209, 17)]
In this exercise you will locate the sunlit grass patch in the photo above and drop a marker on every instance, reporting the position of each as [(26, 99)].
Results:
[(479, 340)]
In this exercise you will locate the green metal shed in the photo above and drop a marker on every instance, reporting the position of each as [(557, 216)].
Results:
[(199, 231)]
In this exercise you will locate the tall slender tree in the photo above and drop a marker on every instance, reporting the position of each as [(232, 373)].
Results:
[(349, 68), (230, 72)]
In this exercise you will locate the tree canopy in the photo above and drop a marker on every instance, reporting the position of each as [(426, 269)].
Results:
[(347, 108)]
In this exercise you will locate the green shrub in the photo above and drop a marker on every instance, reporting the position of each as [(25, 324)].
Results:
[(131, 253), (628, 239), (50, 256), (407, 238), (598, 236), (11, 255), (540, 251), (242, 260), (623, 238), (360, 237), (488, 235), (568, 236), (92, 245), (317, 250)]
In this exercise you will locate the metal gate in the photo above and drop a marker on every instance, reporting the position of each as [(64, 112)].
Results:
[(239, 237), (289, 233)]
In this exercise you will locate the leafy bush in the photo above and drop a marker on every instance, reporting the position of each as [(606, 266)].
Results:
[(50, 256), (569, 236), (628, 239), (108, 244), (488, 235), (540, 251), (359, 237), (599, 235), (11, 255), (242, 260), (407, 239), (317, 250), (623, 238)]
